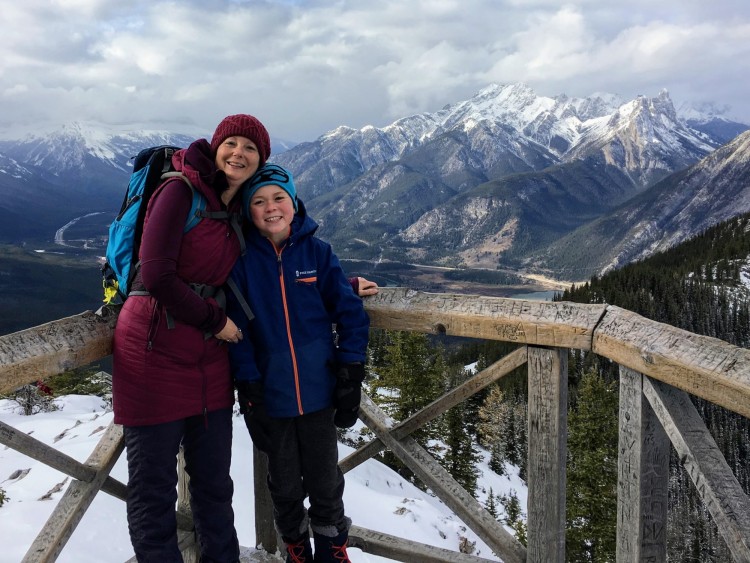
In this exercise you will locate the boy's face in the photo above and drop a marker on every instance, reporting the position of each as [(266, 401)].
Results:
[(272, 212)]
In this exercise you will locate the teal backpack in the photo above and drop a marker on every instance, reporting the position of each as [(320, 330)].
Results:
[(151, 167)]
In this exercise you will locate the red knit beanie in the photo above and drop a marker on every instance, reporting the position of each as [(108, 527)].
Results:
[(245, 126)]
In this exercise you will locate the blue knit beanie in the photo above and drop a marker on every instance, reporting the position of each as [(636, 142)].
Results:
[(269, 175)]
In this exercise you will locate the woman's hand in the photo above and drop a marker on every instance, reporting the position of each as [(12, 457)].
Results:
[(230, 332)]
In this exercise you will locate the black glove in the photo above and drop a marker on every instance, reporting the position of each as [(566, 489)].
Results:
[(252, 407), (347, 394)]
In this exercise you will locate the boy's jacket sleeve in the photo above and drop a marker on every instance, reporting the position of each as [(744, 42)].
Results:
[(242, 354), (345, 308)]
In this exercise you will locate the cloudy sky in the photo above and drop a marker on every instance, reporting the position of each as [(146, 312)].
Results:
[(306, 66)]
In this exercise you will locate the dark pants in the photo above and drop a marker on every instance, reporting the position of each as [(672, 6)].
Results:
[(304, 461), (152, 487)]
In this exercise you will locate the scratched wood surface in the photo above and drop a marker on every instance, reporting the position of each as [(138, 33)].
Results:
[(76, 500), (547, 449), (706, 367), (544, 323), (703, 366), (54, 347), (712, 477), (642, 476)]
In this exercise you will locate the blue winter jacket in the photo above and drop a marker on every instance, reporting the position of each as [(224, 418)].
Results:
[(297, 293)]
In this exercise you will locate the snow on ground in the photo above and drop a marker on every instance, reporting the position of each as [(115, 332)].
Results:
[(375, 497)]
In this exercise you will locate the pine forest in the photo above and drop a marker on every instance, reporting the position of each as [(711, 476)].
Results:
[(697, 286)]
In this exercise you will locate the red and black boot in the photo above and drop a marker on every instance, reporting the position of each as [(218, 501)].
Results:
[(299, 551), (331, 549)]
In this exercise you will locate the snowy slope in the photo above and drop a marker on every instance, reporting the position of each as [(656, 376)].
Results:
[(375, 497)]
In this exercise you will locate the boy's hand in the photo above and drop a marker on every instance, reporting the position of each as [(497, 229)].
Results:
[(347, 394), (366, 287), (250, 397)]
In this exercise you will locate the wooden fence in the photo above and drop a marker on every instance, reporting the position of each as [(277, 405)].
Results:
[(659, 366)]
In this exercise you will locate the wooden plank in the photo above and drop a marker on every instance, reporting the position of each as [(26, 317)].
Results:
[(548, 437), (486, 377), (703, 366), (39, 352), (186, 536), (399, 549), (432, 474), (77, 498), (265, 530), (717, 486), (25, 444), (643, 476), (544, 323)]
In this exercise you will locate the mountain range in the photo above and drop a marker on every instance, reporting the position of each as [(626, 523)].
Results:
[(508, 179)]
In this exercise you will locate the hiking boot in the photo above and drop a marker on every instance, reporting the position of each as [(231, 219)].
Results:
[(331, 550), (299, 551)]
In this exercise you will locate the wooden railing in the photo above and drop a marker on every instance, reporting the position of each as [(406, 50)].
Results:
[(659, 366)]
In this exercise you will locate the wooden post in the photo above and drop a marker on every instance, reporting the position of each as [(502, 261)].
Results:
[(27, 445), (76, 500), (717, 486), (265, 531), (399, 549), (190, 553), (548, 437), (643, 476), (445, 487), (492, 373)]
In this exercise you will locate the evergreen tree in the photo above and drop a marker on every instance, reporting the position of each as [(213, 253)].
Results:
[(411, 374), (489, 504), (695, 286), (502, 430), (591, 516), (461, 457), (514, 517), (410, 377)]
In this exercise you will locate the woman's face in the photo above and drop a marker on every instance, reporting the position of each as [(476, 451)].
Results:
[(239, 158)]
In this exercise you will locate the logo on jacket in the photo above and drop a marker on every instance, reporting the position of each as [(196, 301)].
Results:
[(306, 276)]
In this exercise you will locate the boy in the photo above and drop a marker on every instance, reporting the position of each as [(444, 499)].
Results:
[(294, 383)]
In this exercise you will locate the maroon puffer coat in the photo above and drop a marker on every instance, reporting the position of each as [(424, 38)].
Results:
[(163, 374)]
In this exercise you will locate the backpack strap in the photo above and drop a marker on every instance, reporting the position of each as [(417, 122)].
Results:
[(240, 298), (198, 211)]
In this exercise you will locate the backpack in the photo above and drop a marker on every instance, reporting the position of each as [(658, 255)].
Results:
[(151, 167)]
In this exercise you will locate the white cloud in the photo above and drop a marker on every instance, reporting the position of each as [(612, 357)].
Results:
[(306, 67)]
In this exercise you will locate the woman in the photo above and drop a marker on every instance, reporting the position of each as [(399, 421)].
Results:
[(171, 383)]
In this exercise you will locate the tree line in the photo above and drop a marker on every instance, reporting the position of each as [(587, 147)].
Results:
[(701, 286), (698, 286)]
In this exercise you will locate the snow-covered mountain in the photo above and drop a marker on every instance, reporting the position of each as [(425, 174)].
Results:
[(505, 129), (486, 181), (483, 182), (68, 172), (713, 190)]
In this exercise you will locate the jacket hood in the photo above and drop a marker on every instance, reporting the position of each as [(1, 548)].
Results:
[(197, 164)]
